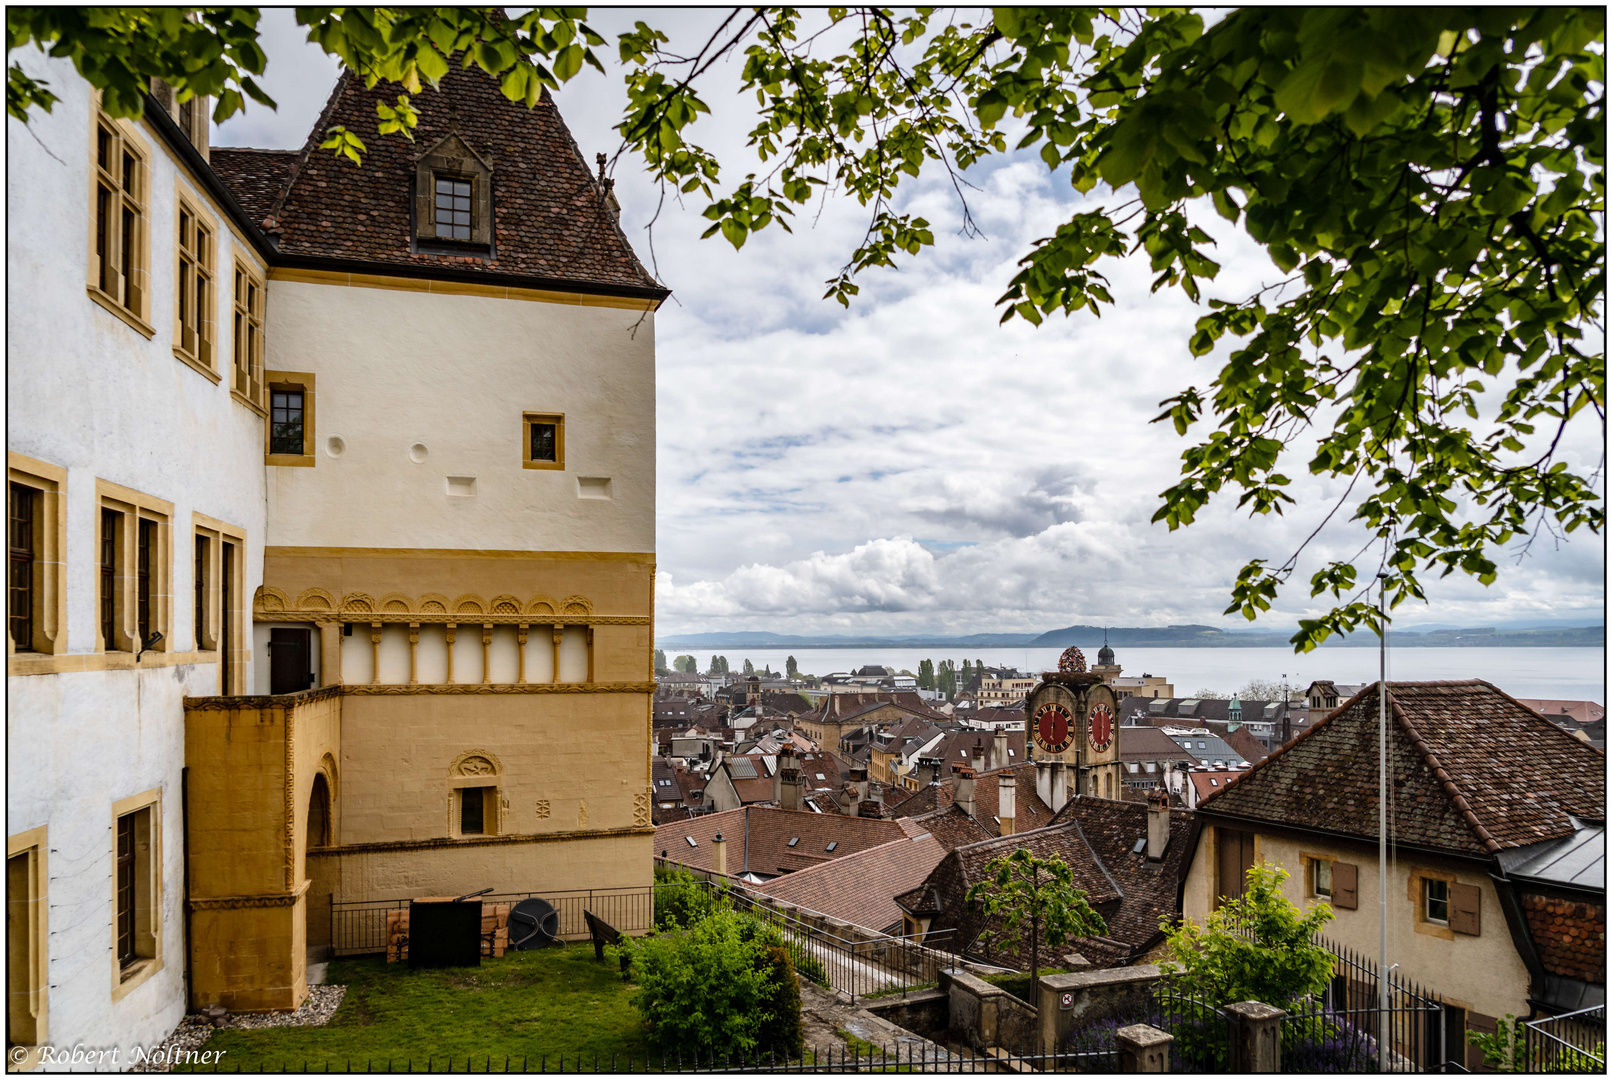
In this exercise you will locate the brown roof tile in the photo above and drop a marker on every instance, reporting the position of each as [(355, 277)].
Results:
[(1570, 936), (551, 221), (860, 888), (1472, 771), (1096, 838), (758, 838), (255, 177)]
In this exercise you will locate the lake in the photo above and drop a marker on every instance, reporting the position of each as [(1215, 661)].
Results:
[(1572, 674)]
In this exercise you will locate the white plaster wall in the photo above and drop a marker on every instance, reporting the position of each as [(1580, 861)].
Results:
[(357, 661), (455, 373), (503, 655), (467, 654), (433, 661), (89, 394), (573, 654), (394, 653), (540, 655), (260, 652)]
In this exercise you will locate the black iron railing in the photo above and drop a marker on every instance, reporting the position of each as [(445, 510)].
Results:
[(1571, 1042)]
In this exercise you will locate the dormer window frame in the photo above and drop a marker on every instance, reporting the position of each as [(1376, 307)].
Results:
[(452, 160)]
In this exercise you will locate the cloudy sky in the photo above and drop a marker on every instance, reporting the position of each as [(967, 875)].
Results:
[(910, 466)]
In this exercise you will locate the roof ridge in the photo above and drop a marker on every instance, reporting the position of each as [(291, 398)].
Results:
[(308, 144), (1536, 715), (1451, 788), (1285, 747)]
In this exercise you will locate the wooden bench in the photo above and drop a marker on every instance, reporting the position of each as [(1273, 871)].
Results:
[(603, 934)]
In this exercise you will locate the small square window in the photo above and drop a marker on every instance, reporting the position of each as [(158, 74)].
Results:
[(1436, 901), (285, 419), (543, 445)]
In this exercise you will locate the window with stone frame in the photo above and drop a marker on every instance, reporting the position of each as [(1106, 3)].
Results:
[(195, 292), (543, 445), (119, 227), (290, 429), (246, 337), (134, 572), (37, 538), (453, 195)]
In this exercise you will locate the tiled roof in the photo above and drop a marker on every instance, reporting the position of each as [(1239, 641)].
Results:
[(767, 831), (950, 826), (1096, 838), (1472, 771), (1030, 812), (861, 888), (1248, 748), (255, 177), (1148, 744), (551, 221), (1210, 781), (1570, 936)]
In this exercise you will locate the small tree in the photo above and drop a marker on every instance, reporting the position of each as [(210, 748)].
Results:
[(687, 664), (1255, 947), (790, 667), (749, 668), (1042, 892), (660, 662), (926, 674), (707, 989), (1261, 690), (1207, 694)]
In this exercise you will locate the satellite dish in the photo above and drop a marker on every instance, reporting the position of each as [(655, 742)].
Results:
[(533, 924)]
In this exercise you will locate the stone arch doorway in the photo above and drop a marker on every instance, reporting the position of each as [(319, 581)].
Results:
[(320, 864), (319, 813)]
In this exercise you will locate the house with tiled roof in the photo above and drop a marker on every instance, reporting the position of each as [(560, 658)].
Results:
[(1128, 857), (761, 842), (842, 712), (1150, 760), (861, 888), (363, 458), (1496, 885)]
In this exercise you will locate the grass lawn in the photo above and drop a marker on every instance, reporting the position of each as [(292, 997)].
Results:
[(523, 1006)]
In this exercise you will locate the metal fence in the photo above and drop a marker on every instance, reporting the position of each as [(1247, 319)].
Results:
[(358, 927), (907, 1057), (861, 965), (1571, 1042)]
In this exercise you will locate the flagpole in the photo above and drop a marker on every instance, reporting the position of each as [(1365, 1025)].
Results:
[(1382, 823)]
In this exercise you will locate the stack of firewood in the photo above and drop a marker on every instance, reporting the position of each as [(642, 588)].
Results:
[(494, 922)]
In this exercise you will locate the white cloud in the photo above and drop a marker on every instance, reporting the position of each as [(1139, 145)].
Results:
[(909, 464)]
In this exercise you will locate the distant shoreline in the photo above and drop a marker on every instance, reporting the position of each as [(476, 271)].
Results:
[(1590, 637), (1275, 643)]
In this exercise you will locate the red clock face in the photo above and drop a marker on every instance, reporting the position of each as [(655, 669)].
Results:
[(1054, 729), (1101, 727)]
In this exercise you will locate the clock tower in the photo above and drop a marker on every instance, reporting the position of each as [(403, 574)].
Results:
[(1072, 721)]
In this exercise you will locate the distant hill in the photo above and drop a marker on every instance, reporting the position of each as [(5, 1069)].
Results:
[(1190, 636)]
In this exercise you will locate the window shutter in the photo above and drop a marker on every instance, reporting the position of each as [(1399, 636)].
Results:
[(1465, 901), (1345, 886)]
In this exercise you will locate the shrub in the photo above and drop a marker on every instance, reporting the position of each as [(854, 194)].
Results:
[(681, 899), (767, 932), (1255, 947), (706, 989), (781, 1032)]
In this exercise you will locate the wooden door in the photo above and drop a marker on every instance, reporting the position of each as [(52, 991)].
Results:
[(290, 669)]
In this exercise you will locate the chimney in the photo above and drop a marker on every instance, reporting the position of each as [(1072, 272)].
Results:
[(978, 759), (719, 854), (1158, 826), (786, 785), (928, 771), (1043, 781), (1059, 786), (607, 188), (1004, 802), (963, 788), (859, 789), (999, 750)]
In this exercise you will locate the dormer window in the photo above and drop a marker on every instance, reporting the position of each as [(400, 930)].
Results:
[(453, 196), (452, 208)]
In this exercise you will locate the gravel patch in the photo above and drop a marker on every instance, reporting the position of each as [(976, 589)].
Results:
[(194, 1030)]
